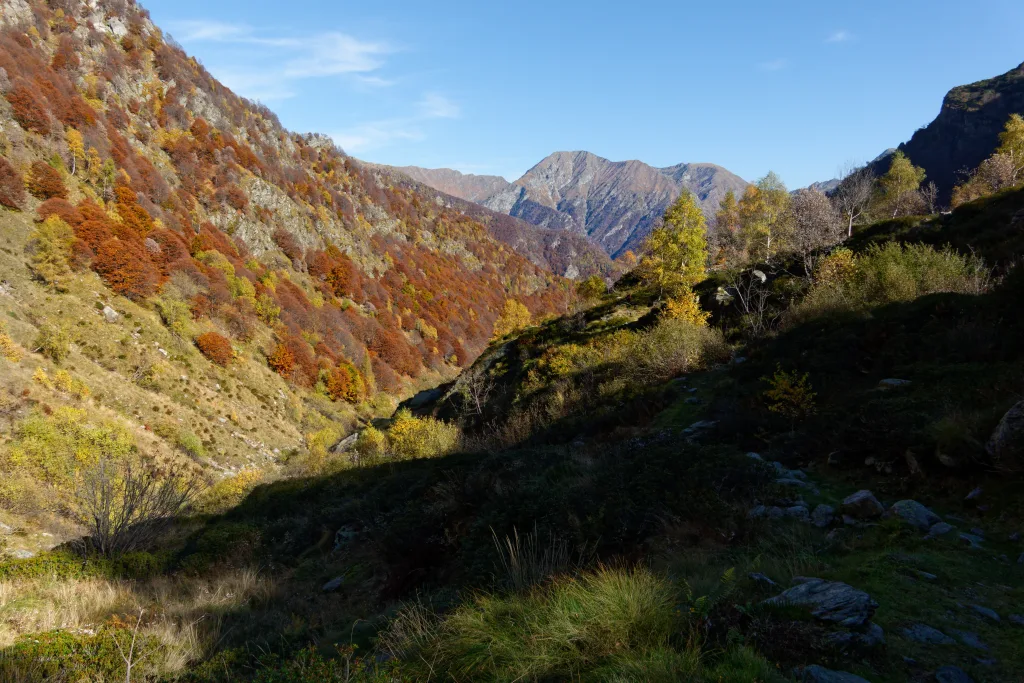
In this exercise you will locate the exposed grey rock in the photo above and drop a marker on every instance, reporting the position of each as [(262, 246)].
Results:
[(798, 512), (985, 612), (110, 315), (970, 639), (769, 512), (893, 383), (922, 633), (755, 456), (796, 483), (22, 554), (1007, 441), (797, 474), (927, 576), (863, 639), (952, 674), (978, 531), (975, 493), (1017, 619), (1014, 537), (4, 529), (830, 601), (986, 661), (692, 401), (698, 429), (346, 443), (915, 514), (818, 674), (971, 540), (862, 505), (333, 585), (823, 515), (1020, 560), (939, 529), (763, 580), (343, 537)]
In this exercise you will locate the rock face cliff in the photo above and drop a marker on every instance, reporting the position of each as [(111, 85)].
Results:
[(966, 131), (613, 203)]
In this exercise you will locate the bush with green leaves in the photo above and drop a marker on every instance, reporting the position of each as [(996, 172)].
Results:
[(891, 273), (54, 342)]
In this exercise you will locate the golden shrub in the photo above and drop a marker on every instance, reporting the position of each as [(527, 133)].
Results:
[(686, 307)]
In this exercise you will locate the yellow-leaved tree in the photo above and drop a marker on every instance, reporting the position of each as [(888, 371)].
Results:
[(900, 186), (50, 245), (676, 252), (76, 145), (514, 317), (1011, 143), (765, 221)]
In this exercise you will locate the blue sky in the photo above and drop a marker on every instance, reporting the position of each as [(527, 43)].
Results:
[(487, 87)]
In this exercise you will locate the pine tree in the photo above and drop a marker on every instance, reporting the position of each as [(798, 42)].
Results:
[(676, 252)]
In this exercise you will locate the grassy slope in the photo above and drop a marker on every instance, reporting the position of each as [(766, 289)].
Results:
[(644, 494)]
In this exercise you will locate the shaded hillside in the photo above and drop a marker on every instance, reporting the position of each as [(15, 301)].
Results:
[(966, 131), (566, 254), (614, 204)]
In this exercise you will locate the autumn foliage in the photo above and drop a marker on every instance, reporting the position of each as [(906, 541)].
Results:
[(44, 182), (281, 360), (216, 348), (12, 189)]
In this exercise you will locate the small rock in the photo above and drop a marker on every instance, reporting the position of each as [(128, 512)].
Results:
[(823, 515), (916, 515), (799, 513), (922, 633), (952, 674), (985, 661), (4, 529), (927, 576), (865, 639), (975, 492), (1014, 537), (1007, 441), (971, 540), (818, 674), (862, 505), (830, 601), (762, 580), (333, 585), (692, 401), (755, 456), (1017, 619), (738, 360), (797, 474), (939, 529), (110, 315), (977, 531), (797, 483), (1020, 560), (970, 639), (985, 612), (893, 383), (22, 554)]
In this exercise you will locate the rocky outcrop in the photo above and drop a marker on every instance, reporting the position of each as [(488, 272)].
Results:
[(830, 601), (1006, 445), (966, 131)]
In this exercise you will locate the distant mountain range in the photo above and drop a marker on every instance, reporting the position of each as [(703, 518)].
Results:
[(613, 203), (966, 131)]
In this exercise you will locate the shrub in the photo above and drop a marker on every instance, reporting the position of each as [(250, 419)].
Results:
[(126, 268), (411, 437), (670, 348), (66, 655), (54, 342), (216, 348), (230, 491), (9, 349), (28, 109), (45, 182), (50, 247), (12, 188), (686, 307), (344, 383), (592, 288), (371, 446), (790, 394), (281, 360), (191, 444), (64, 381)]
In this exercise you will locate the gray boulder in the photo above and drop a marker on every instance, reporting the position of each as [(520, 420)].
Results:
[(864, 639), (1017, 619), (913, 513), (970, 639), (985, 612), (830, 601), (763, 512), (22, 554), (333, 585), (762, 580), (818, 674), (862, 505), (798, 512), (939, 529), (1007, 441), (110, 315), (971, 540), (952, 674), (823, 515), (922, 633)]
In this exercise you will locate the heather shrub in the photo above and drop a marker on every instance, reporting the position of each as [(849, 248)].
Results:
[(216, 348), (12, 188), (411, 437), (45, 182), (54, 342)]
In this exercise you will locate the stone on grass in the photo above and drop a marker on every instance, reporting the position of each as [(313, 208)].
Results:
[(819, 674), (985, 612), (862, 505), (922, 633), (333, 585), (830, 601), (970, 639), (762, 512), (1007, 441), (927, 576), (975, 493), (913, 513), (952, 674), (22, 554), (755, 456), (110, 315), (893, 383), (939, 529), (798, 512), (823, 515), (971, 540), (761, 579), (862, 639), (1017, 619)]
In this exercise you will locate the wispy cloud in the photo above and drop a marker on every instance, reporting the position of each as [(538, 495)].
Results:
[(773, 65), (372, 135), (291, 58), (840, 36)]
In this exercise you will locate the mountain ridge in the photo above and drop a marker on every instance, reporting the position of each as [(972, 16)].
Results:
[(613, 203)]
